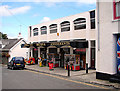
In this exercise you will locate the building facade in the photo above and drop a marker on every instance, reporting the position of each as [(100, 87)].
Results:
[(12, 48), (107, 43), (70, 37)]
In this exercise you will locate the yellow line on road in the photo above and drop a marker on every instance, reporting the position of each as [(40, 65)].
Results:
[(69, 80)]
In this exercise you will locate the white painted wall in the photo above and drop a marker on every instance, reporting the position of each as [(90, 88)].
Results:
[(106, 57), (72, 34), (17, 51)]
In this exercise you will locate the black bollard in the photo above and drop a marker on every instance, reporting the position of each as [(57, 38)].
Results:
[(86, 67), (68, 69)]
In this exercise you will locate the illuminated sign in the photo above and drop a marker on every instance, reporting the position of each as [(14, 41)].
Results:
[(80, 50)]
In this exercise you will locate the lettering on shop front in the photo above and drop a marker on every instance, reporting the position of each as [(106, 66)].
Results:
[(40, 44), (60, 43)]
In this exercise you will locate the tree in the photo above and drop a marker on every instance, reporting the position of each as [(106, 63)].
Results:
[(3, 36)]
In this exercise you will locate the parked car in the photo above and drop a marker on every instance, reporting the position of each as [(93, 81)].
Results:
[(16, 62)]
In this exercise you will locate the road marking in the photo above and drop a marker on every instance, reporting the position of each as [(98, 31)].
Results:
[(68, 79)]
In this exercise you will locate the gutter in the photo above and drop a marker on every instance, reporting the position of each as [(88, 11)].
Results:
[(98, 25)]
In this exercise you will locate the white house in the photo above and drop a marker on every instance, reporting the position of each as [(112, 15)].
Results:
[(108, 21), (13, 48)]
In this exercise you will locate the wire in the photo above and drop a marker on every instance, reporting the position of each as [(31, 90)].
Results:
[(15, 17)]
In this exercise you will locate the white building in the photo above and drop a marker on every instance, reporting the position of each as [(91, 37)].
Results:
[(107, 37), (13, 48), (74, 34)]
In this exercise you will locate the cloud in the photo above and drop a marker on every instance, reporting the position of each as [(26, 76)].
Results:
[(86, 1), (45, 19), (6, 10), (35, 15)]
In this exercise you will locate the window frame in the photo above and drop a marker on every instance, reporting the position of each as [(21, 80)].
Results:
[(43, 30), (114, 10), (78, 22), (53, 28), (65, 25), (35, 32)]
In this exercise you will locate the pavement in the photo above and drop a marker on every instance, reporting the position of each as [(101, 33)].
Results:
[(81, 75)]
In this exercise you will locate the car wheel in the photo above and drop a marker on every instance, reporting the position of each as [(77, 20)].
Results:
[(12, 68)]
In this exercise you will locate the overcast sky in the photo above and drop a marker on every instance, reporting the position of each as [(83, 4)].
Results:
[(13, 14)]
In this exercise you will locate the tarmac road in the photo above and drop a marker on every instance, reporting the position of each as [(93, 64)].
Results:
[(24, 79)]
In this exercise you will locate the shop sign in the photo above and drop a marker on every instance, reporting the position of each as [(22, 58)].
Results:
[(118, 56), (60, 43), (80, 50), (40, 44)]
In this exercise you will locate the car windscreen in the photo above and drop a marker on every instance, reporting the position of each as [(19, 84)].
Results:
[(19, 59)]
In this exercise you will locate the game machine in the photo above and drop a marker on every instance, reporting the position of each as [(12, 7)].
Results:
[(54, 58), (30, 61), (118, 56), (74, 62)]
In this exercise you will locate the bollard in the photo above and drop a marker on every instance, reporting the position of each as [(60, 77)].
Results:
[(86, 67), (68, 69)]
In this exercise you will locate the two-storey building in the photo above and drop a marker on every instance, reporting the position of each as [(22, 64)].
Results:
[(72, 36)]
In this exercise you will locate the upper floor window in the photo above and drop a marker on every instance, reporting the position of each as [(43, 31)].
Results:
[(79, 23), (35, 31), (53, 28), (43, 30), (65, 26), (30, 28), (116, 9), (92, 19)]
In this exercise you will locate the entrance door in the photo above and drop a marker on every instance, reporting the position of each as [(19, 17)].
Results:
[(93, 58), (35, 55), (62, 53)]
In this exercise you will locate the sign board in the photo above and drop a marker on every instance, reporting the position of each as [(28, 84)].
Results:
[(118, 56)]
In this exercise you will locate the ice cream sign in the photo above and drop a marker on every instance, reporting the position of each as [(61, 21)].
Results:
[(118, 56)]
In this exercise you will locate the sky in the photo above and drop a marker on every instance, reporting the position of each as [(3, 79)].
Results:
[(16, 17)]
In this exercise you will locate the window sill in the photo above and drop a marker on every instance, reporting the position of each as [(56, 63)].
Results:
[(116, 20)]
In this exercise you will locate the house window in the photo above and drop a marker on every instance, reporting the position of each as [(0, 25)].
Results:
[(92, 19), (43, 30), (35, 31), (65, 26), (79, 23), (53, 28), (116, 9), (30, 30)]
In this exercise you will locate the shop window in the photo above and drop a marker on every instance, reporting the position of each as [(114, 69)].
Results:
[(66, 50), (65, 26), (79, 23), (52, 50), (43, 30), (116, 9), (53, 28), (92, 19), (30, 28), (35, 31)]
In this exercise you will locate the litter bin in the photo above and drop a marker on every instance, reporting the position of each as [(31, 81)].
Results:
[(51, 66)]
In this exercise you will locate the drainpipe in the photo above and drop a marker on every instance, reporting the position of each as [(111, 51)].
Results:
[(98, 25)]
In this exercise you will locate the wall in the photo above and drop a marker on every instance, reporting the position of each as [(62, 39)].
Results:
[(69, 35), (17, 51), (106, 56)]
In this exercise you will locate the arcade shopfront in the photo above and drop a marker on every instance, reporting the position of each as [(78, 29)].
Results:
[(59, 52)]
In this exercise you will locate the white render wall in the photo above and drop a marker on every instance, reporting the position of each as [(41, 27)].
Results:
[(17, 51), (87, 33), (106, 56)]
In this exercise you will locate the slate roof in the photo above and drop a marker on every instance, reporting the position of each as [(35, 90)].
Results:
[(9, 43)]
